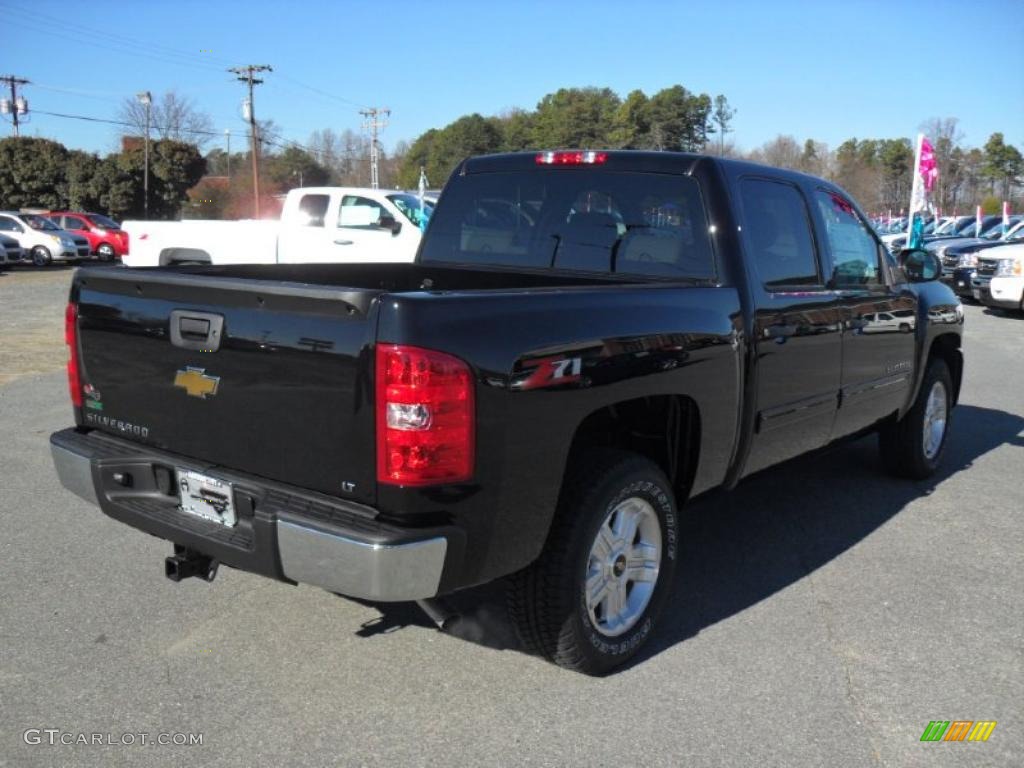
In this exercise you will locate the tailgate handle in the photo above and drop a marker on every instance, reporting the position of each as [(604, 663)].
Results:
[(196, 330)]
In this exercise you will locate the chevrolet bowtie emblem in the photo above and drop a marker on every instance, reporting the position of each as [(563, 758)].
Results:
[(196, 383)]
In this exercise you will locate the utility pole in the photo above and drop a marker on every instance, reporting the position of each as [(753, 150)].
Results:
[(245, 75), (227, 137), (146, 99), (17, 106), (376, 120)]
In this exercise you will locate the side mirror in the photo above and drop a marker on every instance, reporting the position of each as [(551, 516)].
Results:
[(387, 221), (920, 266)]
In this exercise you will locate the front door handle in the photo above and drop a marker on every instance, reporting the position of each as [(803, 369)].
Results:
[(343, 242)]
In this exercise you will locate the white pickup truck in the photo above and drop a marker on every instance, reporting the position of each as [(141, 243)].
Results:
[(999, 281), (317, 224)]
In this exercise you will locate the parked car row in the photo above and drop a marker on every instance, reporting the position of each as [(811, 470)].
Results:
[(63, 237)]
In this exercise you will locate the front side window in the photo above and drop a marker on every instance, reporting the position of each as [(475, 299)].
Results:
[(104, 221), (778, 234), (588, 220), (360, 212), (967, 227), (40, 222), (856, 259)]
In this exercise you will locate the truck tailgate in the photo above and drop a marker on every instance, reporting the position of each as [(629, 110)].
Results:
[(281, 389)]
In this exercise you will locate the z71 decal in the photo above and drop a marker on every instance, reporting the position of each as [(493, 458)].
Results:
[(549, 372)]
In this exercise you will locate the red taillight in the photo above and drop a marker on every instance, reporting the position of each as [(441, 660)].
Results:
[(424, 417), (71, 339), (571, 158)]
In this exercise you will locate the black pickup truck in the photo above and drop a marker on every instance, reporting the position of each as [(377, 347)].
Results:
[(585, 341)]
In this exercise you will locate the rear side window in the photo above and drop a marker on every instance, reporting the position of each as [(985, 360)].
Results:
[(314, 209), (778, 234), (569, 218)]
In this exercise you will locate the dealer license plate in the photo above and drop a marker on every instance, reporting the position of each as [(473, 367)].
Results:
[(206, 497), (977, 294)]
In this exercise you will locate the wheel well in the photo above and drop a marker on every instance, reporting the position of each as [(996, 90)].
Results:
[(664, 428), (173, 255), (947, 348)]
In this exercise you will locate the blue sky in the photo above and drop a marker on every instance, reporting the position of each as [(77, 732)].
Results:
[(827, 70)]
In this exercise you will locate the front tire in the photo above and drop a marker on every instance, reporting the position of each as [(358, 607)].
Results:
[(913, 446), (592, 598), (105, 252), (41, 256)]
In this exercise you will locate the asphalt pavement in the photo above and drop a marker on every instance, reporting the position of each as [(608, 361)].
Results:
[(825, 614)]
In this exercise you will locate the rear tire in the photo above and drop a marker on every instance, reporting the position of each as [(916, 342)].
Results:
[(913, 446), (592, 598), (41, 256)]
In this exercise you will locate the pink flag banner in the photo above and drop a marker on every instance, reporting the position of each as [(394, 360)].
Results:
[(928, 169)]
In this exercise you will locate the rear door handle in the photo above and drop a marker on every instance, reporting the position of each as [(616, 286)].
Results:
[(343, 242)]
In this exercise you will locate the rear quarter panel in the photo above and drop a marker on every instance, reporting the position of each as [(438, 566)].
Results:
[(631, 342)]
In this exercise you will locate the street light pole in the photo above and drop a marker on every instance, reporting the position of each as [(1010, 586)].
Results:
[(146, 99)]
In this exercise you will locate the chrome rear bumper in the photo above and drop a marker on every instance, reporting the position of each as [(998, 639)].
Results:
[(363, 559)]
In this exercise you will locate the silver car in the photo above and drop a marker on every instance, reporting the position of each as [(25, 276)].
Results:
[(41, 238)]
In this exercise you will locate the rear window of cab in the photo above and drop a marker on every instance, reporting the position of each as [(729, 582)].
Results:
[(572, 219)]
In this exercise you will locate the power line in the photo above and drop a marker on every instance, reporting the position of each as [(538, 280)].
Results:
[(87, 118), (133, 41), (109, 44), (278, 142), (79, 93), (321, 92), (40, 22)]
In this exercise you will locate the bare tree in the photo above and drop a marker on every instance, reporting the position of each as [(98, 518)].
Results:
[(345, 155), (781, 152), (171, 117)]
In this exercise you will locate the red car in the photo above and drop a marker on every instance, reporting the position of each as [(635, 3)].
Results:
[(106, 239)]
